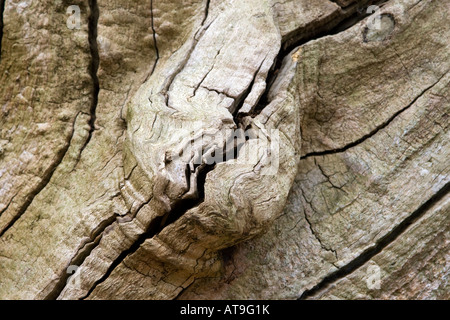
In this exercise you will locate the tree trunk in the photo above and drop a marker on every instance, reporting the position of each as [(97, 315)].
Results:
[(225, 149)]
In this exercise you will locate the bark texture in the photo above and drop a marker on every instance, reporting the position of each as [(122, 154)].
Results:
[(318, 155)]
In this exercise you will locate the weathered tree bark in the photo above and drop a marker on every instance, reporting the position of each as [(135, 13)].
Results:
[(238, 149)]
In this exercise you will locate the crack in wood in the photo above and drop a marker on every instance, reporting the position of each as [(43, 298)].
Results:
[(182, 206), (170, 79), (82, 253), (378, 247), (204, 77), (9, 203), (206, 11), (377, 128), (46, 177), (309, 223), (93, 69), (288, 46), (154, 37), (2, 11), (150, 232)]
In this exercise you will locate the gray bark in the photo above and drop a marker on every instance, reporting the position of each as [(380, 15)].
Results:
[(120, 177)]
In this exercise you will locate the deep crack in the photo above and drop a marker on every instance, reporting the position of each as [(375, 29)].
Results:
[(154, 37), (2, 10), (80, 256), (152, 230), (93, 69), (372, 251), (206, 11), (161, 222), (377, 128), (182, 206), (289, 45)]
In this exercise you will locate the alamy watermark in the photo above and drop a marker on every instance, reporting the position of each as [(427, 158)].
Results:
[(373, 277), (374, 21), (75, 279), (376, 14), (74, 20)]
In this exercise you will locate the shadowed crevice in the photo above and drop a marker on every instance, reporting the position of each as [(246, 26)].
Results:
[(206, 11), (155, 43), (2, 10), (152, 230), (158, 224), (332, 28), (182, 206), (80, 256), (93, 69)]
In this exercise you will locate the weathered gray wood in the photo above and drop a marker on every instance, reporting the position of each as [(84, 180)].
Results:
[(355, 115)]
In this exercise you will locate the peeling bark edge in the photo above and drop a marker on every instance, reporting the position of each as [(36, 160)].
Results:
[(385, 241)]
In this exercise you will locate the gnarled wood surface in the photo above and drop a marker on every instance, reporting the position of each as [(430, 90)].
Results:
[(342, 178)]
